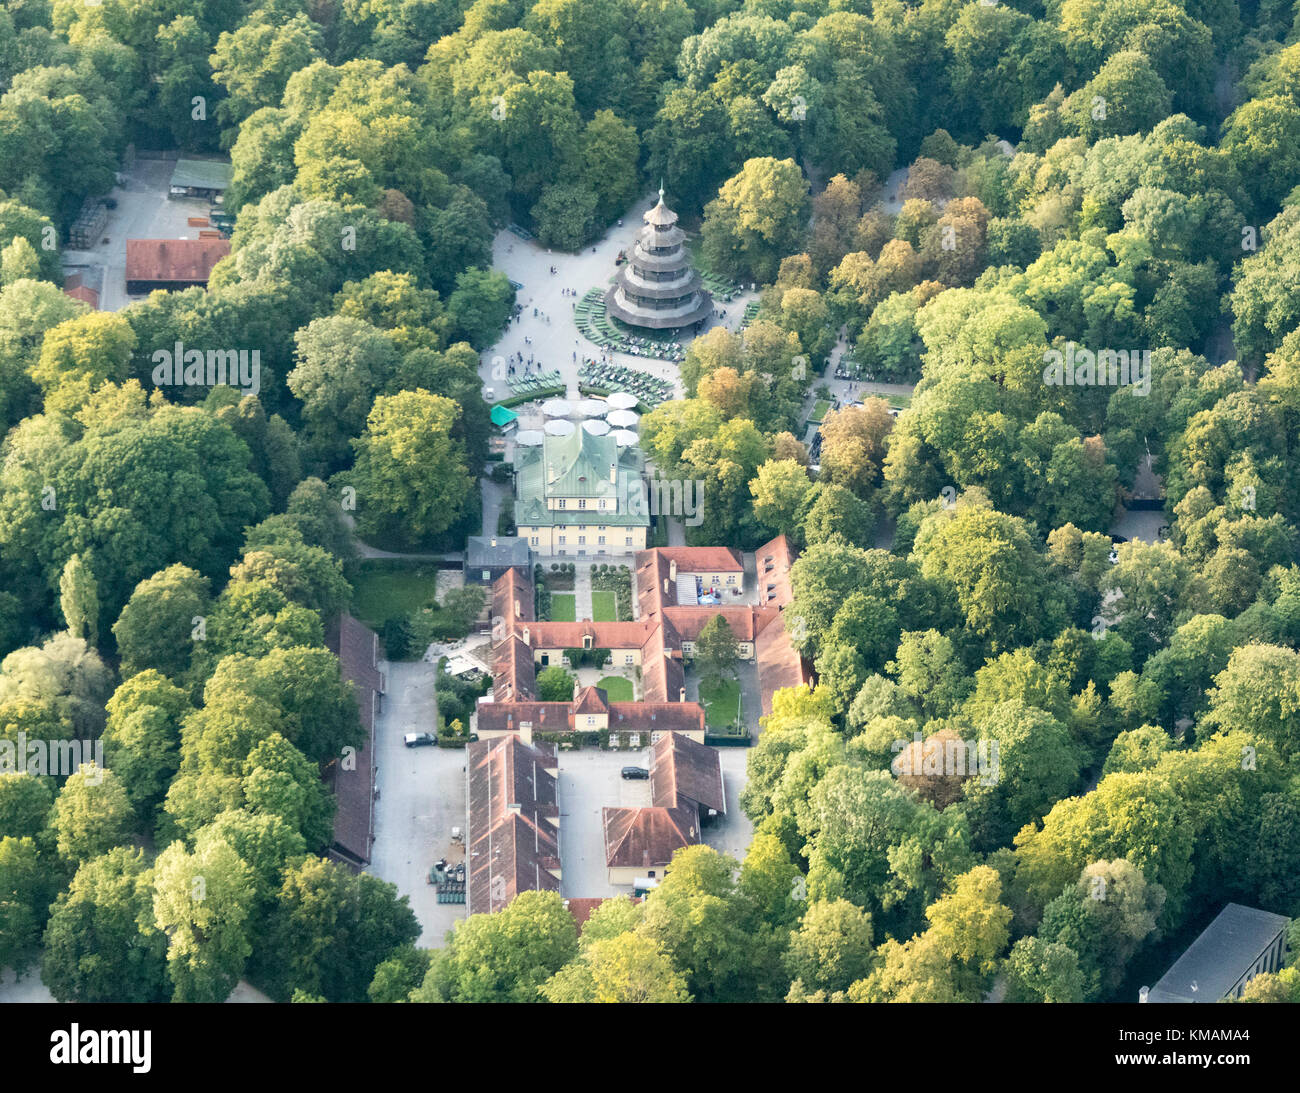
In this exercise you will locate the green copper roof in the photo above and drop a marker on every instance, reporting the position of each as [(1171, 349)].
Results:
[(580, 467)]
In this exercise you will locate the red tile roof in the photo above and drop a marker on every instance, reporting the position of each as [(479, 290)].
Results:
[(663, 679), (772, 562), (512, 599), (513, 810), (357, 647), (170, 260), (683, 771), (591, 700), (656, 716), (514, 675), (84, 294), (703, 559), (654, 587), (648, 837), (508, 716), (746, 622), (779, 664), (603, 635), (623, 716)]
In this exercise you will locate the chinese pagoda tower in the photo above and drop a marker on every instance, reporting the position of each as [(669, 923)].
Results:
[(657, 288)]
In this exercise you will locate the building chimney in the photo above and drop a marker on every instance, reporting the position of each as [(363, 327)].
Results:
[(672, 570), (527, 634), (613, 472), (492, 542), (682, 695)]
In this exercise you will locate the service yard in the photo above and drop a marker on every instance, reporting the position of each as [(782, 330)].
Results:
[(421, 798), (590, 781)]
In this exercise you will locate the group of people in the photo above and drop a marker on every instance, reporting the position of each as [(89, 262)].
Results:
[(516, 360)]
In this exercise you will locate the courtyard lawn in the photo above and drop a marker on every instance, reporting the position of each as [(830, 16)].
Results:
[(616, 688), (721, 702), (564, 607), (604, 606), (384, 590), (820, 410)]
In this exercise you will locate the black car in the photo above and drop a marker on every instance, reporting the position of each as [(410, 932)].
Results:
[(635, 773), (419, 739)]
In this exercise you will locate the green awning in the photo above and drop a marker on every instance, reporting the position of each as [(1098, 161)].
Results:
[(503, 416)]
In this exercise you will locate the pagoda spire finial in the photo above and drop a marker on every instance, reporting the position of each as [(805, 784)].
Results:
[(661, 191)]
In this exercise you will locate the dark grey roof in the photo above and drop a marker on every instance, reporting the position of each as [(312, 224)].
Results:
[(1225, 951), (202, 174), (484, 552)]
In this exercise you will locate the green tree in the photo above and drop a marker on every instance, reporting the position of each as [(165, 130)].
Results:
[(503, 957), (1104, 919), (1043, 971), (25, 801), (756, 219), (832, 948), (100, 943), (780, 490), (142, 737), (81, 354), (25, 892), (716, 650), (554, 684), (626, 968), (411, 474), (341, 364), (79, 599), (92, 814), (201, 902)]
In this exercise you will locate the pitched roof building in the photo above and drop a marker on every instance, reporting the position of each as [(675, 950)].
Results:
[(171, 263), (357, 647), (487, 557), (514, 820), (1241, 943), (656, 643), (683, 771), (581, 495), (641, 842)]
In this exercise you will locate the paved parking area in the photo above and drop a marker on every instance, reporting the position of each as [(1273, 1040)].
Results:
[(590, 782), (733, 833), (421, 798)]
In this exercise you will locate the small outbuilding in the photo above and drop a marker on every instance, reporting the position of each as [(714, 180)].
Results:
[(208, 178), (488, 557)]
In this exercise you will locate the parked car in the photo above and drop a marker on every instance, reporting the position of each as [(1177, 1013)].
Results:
[(419, 739), (638, 774)]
